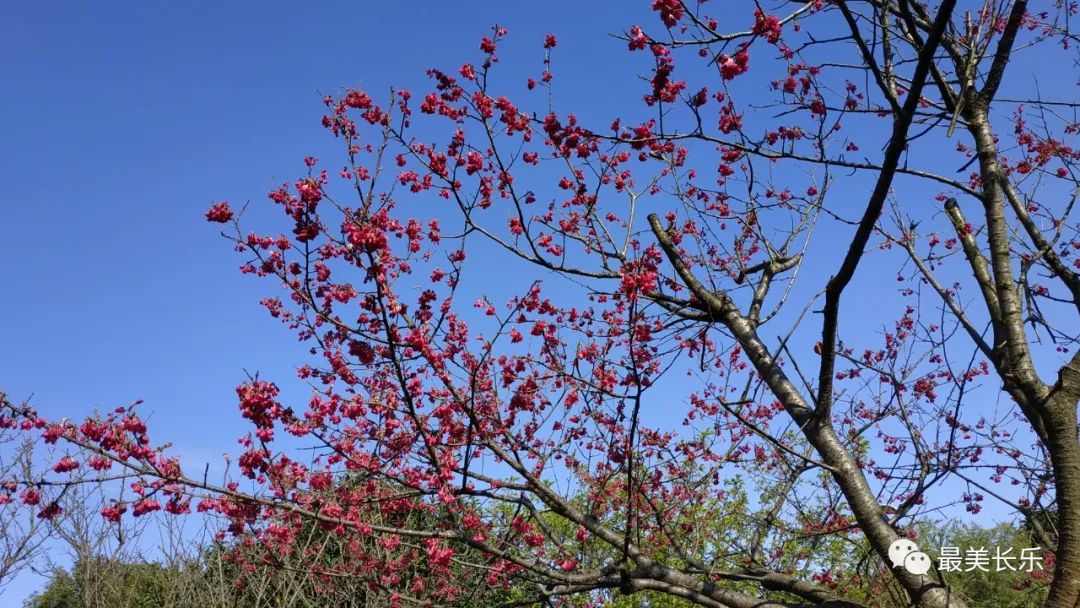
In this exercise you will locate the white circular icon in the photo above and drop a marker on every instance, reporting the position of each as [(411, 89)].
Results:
[(917, 562), (900, 549)]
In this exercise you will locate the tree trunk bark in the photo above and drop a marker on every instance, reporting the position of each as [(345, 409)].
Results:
[(1064, 448)]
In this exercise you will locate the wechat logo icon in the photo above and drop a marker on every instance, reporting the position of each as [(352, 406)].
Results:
[(905, 553)]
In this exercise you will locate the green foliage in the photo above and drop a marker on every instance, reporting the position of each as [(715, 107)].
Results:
[(866, 580), (61, 592), (1005, 589), (103, 583)]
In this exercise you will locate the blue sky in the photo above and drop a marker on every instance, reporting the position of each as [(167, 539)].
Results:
[(122, 123)]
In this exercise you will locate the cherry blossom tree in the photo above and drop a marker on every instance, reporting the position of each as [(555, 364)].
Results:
[(817, 284), (23, 536)]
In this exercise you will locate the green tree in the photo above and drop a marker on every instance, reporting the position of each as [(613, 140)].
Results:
[(1005, 589), (102, 583)]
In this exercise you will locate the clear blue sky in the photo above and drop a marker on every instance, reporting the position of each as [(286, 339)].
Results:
[(122, 123)]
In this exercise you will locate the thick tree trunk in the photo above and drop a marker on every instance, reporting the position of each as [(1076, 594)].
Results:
[(1064, 448), (1052, 412)]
